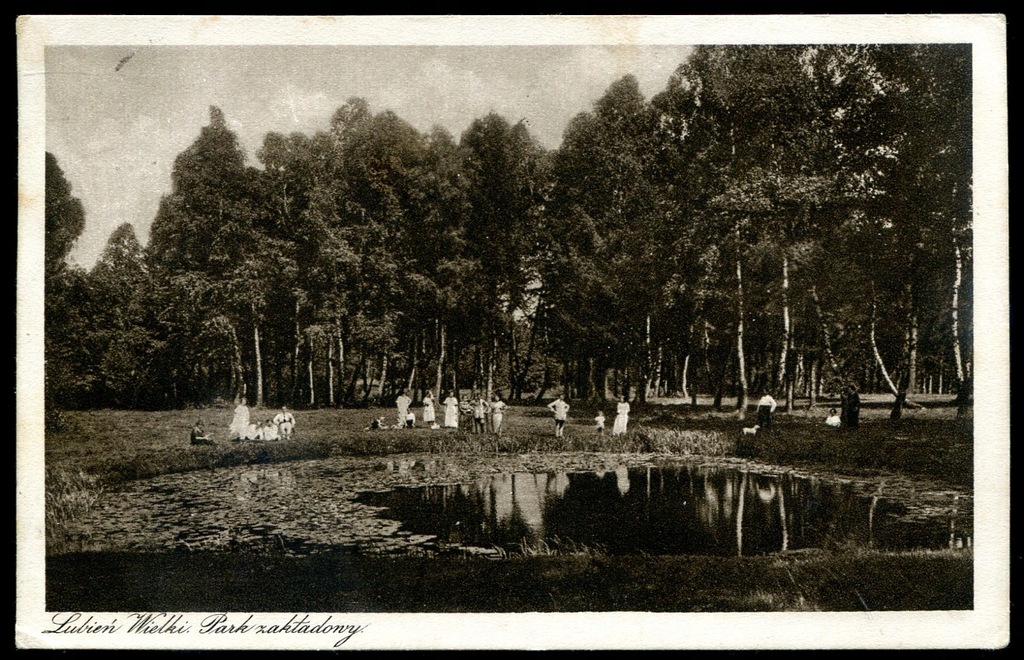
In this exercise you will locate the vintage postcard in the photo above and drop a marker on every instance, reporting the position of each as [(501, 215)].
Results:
[(523, 332)]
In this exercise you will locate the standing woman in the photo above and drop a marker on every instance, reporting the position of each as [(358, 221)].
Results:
[(451, 411), (240, 423), (402, 403), (428, 409), (621, 417), (497, 414)]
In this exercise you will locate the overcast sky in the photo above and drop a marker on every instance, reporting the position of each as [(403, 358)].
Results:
[(116, 117)]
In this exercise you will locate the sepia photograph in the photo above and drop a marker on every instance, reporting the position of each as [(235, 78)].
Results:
[(597, 332)]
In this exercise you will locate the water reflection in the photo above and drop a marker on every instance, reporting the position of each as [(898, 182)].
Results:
[(672, 510)]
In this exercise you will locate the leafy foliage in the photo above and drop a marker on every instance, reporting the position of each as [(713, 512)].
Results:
[(831, 185)]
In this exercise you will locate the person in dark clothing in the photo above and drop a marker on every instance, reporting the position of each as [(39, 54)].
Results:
[(198, 434), (852, 407)]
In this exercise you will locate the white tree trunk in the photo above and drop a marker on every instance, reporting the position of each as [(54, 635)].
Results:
[(309, 371), (295, 354), (657, 371), (259, 365), (741, 400), (878, 356), (648, 375), (912, 355), (785, 322), (341, 363), (686, 368), (383, 375), (955, 312), (412, 372), (330, 373), (237, 369), (490, 367), (812, 389), (440, 363)]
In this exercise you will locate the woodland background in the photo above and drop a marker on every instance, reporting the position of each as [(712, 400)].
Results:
[(782, 219)]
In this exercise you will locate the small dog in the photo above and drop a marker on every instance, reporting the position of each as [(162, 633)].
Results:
[(750, 430)]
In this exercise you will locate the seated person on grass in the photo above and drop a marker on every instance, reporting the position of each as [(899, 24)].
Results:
[(198, 435), (252, 432), (270, 431), (285, 422)]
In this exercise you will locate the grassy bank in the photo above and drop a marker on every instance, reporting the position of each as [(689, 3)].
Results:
[(117, 445), (811, 581)]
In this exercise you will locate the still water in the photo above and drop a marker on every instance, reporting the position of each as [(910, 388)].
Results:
[(343, 504), (704, 510)]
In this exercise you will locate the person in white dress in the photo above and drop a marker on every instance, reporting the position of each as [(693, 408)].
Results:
[(240, 422), (833, 419), (428, 409), (497, 414), (403, 402), (621, 417), (285, 422), (451, 411)]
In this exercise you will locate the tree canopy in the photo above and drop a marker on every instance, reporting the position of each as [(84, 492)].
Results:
[(778, 218)]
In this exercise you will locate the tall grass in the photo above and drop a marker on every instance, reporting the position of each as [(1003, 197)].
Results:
[(69, 494), (650, 440), (557, 547)]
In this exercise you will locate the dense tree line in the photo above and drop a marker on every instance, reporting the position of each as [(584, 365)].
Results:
[(778, 218)]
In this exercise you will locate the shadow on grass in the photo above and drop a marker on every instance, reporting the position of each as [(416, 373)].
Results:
[(335, 582)]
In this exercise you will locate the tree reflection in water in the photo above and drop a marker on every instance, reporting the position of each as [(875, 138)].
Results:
[(665, 510)]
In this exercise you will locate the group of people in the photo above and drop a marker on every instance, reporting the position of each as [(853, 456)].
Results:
[(280, 427), (849, 405), (242, 428), (406, 417), (560, 409), (485, 416), (850, 409), (849, 413)]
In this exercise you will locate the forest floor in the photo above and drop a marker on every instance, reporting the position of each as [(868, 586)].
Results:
[(100, 449)]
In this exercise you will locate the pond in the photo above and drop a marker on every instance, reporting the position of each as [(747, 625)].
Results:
[(702, 510), (492, 505)]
